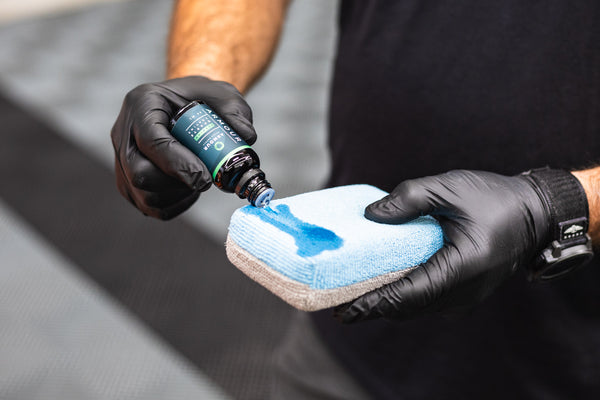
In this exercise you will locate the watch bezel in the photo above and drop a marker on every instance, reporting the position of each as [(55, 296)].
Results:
[(558, 259)]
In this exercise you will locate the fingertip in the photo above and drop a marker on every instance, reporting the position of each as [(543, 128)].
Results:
[(238, 114), (348, 313), (194, 174), (249, 135), (387, 211), (243, 127), (378, 211), (363, 308), (392, 209), (202, 181), (176, 209), (251, 139)]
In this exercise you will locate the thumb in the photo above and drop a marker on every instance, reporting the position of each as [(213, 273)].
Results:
[(238, 115), (423, 290), (409, 200)]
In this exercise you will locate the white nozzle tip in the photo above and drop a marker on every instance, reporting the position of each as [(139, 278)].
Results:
[(264, 198)]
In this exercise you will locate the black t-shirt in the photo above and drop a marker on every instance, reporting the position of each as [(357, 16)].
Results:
[(422, 87)]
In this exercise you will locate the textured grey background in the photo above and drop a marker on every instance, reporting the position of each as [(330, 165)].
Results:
[(76, 68), (61, 335)]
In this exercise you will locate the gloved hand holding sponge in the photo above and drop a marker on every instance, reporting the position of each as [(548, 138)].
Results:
[(493, 225)]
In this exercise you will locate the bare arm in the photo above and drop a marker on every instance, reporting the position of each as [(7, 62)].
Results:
[(229, 40)]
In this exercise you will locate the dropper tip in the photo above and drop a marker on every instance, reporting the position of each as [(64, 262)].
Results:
[(264, 198)]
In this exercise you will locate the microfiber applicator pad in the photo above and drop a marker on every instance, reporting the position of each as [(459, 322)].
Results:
[(317, 250)]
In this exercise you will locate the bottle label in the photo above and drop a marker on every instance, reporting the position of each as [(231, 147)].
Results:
[(202, 131)]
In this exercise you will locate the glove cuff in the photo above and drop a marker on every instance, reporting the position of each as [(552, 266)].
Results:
[(566, 201)]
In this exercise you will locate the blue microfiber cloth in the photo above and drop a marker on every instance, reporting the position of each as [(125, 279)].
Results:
[(317, 250)]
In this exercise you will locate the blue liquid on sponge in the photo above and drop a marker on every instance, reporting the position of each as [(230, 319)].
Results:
[(310, 239)]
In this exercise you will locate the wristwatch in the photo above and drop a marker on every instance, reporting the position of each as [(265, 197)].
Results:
[(570, 246)]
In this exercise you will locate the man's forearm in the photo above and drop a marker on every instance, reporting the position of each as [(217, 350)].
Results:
[(230, 40), (590, 180)]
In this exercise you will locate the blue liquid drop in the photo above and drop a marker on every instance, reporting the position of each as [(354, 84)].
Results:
[(310, 239)]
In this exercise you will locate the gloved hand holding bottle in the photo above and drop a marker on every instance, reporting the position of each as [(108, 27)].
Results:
[(155, 172)]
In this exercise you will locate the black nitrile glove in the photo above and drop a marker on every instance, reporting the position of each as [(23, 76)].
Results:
[(492, 224), (154, 171)]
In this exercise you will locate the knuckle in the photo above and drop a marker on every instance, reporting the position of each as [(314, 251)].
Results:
[(134, 94), (143, 88), (166, 215), (239, 112), (145, 176), (138, 180), (228, 87), (154, 201), (115, 136), (150, 212), (410, 190)]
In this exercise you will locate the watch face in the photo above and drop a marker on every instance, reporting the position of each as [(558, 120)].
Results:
[(565, 264)]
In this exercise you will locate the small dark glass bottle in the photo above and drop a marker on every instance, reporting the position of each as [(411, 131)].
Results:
[(234, 166)]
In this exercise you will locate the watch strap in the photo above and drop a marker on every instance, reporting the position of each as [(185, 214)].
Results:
[(567, 203)]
